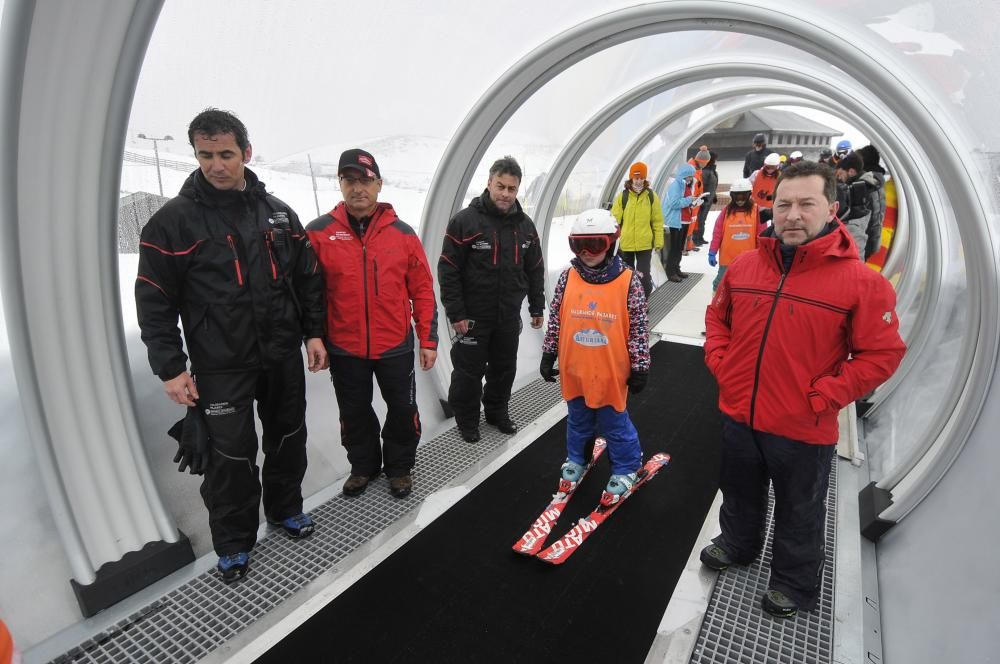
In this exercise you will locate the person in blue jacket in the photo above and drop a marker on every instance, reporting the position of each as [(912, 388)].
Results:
[(676, 199)]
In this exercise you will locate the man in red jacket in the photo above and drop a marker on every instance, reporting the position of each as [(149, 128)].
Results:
[(797, 330), (376, 274)]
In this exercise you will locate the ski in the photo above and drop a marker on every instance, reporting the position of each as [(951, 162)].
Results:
[(560, 550), (533, 540)]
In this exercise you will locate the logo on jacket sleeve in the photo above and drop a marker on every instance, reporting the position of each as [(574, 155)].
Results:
[(481, 245), (887, 317)]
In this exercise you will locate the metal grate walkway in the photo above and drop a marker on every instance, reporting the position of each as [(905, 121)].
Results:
[(737, 631)]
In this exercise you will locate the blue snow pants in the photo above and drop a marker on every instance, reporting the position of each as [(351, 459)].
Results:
[(585, 423)]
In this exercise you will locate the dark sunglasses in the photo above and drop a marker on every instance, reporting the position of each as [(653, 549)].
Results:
[(592, 244)]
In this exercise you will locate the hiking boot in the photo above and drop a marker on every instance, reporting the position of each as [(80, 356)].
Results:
[(779, 605), (296, 527), (683, 275), (716, 558), (674, 278), (356, 485), (470, 435), (401, 487), (234, 566), (503, 423), (572, 471)]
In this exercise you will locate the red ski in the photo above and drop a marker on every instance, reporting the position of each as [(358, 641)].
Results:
[(533, 540), (563, 548)]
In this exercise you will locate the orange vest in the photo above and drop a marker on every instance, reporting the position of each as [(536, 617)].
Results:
[(739, 233), (593, 341), (697, 186), (763, 188)]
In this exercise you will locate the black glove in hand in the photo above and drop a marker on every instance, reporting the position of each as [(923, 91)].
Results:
[(193, 444), (546, 367), (636, 382)]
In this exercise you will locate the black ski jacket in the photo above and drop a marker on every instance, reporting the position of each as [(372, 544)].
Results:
[(489, 262), (247, 289)]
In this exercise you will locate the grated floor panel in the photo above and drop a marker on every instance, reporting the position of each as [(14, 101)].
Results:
[(735, 628), (191, 621)]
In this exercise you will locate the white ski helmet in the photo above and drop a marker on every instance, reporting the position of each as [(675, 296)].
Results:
[(594, 231), (773, 159), (741, 185), (594, 222), (795, 156)]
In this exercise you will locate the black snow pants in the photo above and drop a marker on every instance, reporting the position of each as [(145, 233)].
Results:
[(231, 488), (488, 349), (800, 473), (360, 431)]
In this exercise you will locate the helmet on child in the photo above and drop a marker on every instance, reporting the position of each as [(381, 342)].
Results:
[(843, 147), (773, 159), (795, 156), (593, 231), (739, 192)]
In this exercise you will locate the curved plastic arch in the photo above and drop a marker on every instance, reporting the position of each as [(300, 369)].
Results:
[(878, 71)]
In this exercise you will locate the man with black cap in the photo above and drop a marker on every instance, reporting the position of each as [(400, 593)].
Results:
[(754, 159), (491, 259), (234, 263), (376, 275)]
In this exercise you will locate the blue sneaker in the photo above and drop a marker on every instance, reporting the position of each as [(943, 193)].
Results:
[(296, 527), (572, 471), (620, 484), (234, 567)]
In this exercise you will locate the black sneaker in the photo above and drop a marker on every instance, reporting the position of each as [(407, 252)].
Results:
[(503, 423), (356, 485), (233, 567), (779, 605), (470, 435), (296, 527), (715, 557), (683, 275), (401, 487)]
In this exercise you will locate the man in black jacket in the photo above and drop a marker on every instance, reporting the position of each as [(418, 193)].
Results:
[(754, 159), (491, 259), (235, 263)]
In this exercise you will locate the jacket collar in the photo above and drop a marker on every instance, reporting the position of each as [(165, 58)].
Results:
[(384, 215), (484, 203), (197, 188), (833, 243)]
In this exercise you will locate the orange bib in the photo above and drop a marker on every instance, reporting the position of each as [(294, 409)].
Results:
[(763, 188), (739, 233), (593, 341)]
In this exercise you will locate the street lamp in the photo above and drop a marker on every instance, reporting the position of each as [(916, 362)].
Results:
[(156, 152)]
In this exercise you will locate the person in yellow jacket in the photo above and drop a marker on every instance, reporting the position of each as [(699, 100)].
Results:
[(639, 215)]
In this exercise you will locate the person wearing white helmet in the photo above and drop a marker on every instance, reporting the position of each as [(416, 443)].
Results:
[(599, 330), (794, 157), (765, 180), (736, 229)]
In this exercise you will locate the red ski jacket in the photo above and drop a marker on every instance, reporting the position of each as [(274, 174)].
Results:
[(374, 284), (790, 349)]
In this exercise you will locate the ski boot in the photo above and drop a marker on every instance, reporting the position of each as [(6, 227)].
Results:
[(571, 472), (617, 487)]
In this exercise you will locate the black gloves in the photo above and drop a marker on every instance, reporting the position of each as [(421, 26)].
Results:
[(193, 445), (636, 382), (548, 373)]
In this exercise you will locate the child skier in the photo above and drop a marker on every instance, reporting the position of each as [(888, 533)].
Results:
[(598, 328), (736, 229)]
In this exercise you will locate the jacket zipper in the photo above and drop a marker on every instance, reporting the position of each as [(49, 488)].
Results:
[(270, 256), (495, 242), (763, 341), (375, 266), (516, 247), (364, 286), (236, 260)]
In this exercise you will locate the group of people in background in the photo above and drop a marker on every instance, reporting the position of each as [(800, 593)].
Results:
[(251, 285)]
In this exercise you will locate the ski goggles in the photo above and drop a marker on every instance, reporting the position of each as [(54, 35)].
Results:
[(592, 244)]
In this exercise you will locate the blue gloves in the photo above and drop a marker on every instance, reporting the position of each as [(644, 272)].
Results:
[(712, 258)]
